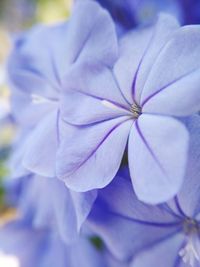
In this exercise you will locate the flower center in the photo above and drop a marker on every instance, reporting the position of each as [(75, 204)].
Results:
[(190, 253), (191, 226), (136, 110)]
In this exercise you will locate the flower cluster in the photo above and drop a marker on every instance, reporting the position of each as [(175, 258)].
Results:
[(105, 167)]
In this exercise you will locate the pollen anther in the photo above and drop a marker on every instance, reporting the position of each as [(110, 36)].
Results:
[(136, 110)]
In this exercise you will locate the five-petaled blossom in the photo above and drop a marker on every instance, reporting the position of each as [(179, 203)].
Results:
[(136, 89)]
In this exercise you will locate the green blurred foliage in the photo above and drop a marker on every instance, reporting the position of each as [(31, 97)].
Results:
[(49, 11), (3, 174), (17, 15), (97, 242)]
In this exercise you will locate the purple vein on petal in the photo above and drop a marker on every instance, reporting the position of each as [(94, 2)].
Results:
[(148, 147), (28, 68), (168, 85), (139, 65), (101, 99), (118, 86), (169, 210), (177, 261), (84, 42), (91, 123), (178, 206), (97, 147), (160, 240), (156, 224)]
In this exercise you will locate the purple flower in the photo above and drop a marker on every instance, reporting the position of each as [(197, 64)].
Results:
[(39, 61), (166, 235), (37, 64), (47, 202), (23, 246), (122, 12), (139, 94), (16, 250), (130, 13), (190, 11)]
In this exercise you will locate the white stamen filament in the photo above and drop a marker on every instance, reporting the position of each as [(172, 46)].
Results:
[(111, 105), (37, 99), (191, 252)]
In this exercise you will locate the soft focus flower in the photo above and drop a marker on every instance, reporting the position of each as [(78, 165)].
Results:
[(122, 12), (190, 11), (45, 201), (48, 203), (166, 235), (36, 67), (154, 81), (146, 11), (23, 246), (39, 61), (32, 214), (130, 13)]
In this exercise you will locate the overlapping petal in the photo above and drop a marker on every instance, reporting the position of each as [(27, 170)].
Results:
[(46, 249), (83, 203), (82, 165), (189, 194), (14, 238), (136, 60), (173, 84), (164, 254), (41, 147), (89, 43), (91, 79), (118, 215), (47, 203), (77, 106)]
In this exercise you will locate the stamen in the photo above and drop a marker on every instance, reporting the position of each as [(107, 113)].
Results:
[(37, 99), (190, 254), (136, 110), (190, 226)]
